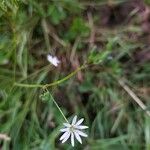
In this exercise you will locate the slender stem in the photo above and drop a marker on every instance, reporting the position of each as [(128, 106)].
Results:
[(50, 84), (64, 79), (28, 85), (59, 109), (134, 97)]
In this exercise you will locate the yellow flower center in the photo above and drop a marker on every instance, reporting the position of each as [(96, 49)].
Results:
[(72, 128)]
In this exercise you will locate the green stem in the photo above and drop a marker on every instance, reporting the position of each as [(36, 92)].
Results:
[(50, 84), (28, 85), (59, 109)]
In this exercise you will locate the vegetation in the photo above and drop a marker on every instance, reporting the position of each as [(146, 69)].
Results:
[(103, 75)]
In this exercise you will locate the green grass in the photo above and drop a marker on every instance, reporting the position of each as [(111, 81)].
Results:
[(29, 30)]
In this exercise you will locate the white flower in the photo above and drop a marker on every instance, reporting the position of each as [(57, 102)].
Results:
[(53, 60), (73, 130), (4, 137)]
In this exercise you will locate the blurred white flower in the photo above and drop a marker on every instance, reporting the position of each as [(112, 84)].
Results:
[(73, 130), (4, 137), (53, 60)]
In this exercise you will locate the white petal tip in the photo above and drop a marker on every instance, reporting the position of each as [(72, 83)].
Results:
[(53, 60)]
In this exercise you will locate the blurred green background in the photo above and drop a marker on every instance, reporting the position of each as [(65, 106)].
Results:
[(111, 37)]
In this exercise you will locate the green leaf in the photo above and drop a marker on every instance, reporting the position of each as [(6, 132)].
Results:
[(56, 14), (45, 96), (78, 29)]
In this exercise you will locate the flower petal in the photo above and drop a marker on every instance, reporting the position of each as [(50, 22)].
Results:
[(72, 139), (77, 137), (53, 60), (81, 133), (74, 120), (67, 125), (81, 127), (64, 135), (64, 129), (80, 121)]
